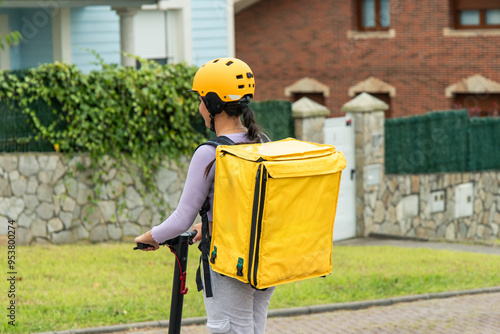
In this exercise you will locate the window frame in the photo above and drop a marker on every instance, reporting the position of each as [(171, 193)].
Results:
[(377, 27), (482, 7)]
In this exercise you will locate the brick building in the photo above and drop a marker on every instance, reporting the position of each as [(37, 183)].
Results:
[(416, 55)]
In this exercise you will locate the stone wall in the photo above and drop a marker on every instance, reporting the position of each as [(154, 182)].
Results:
[(453, 206), (430, 206), (53, 199)]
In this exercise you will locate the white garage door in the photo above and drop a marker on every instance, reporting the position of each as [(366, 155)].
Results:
[(339, 131)]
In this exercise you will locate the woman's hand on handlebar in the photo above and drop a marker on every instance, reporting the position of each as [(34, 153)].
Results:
[(197, 228), (147, 238)]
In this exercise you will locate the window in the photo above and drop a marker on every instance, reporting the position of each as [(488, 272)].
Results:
[(385, 98), (373, 15), (316, 97), (308, 87), (477, 14), (160, 61), (478, 105)]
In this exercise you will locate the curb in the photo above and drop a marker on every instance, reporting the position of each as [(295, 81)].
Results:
[(289, 312), (376, 302), (466, 242)]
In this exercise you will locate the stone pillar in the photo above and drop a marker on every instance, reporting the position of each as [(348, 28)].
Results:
[(309, 120), (127, 33), (368, 117)]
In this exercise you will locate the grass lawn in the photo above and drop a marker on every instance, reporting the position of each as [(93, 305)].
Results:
[(80, 286)]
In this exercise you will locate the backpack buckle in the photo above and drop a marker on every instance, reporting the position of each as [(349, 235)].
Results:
[(239, 267), (213, 255)]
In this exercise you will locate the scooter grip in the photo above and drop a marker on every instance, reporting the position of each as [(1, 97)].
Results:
[(192, 234), (141, 245)]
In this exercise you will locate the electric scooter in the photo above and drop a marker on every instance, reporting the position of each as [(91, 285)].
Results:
[(180, 247)]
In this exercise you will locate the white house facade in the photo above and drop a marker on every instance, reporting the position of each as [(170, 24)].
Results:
[(193, 31)]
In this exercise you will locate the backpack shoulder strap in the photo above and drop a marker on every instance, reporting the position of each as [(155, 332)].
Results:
[(222, 140), (205, 234), (264, 138)]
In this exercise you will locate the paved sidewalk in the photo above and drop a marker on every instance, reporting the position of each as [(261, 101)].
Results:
[(466, 314), (456, 315)]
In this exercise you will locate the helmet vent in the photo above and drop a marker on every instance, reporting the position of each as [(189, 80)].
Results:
[(229, 63), (241, 86), (216, 60), (240, 76)]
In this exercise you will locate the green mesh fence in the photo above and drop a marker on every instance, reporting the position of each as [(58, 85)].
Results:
[(442, 141), (404, 150), (484, 144), (393, 146), (447, 141), (274, 118), (16, 133)]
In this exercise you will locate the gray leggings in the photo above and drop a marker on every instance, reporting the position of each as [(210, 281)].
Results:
[(236, 307)]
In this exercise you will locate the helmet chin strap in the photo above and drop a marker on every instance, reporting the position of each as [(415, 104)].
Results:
[(214, 106), (212, 123)]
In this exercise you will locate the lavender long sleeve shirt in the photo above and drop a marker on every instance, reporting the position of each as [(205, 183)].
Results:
[(196, 189)]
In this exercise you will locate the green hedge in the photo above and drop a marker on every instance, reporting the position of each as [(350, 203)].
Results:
[(145, 115)]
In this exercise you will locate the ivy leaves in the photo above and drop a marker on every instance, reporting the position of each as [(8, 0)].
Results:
[(143, 116)]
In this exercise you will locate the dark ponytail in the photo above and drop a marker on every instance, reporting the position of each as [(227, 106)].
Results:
[(249, 122), (241, 109)]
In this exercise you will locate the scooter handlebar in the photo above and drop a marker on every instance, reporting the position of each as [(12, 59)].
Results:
[(190, 235)]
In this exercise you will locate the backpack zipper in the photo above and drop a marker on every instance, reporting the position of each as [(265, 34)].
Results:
[(259, 224), (256, 229), (253, 228)]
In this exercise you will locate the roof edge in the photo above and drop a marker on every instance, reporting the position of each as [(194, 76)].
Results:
[(74, 3), (240, 5)]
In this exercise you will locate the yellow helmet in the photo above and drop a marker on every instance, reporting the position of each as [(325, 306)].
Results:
[(229, 78)]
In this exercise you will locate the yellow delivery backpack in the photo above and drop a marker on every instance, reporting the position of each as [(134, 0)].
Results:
[(274, 211)]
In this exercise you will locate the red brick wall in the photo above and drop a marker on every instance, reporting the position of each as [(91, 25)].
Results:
[(286, 40)]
